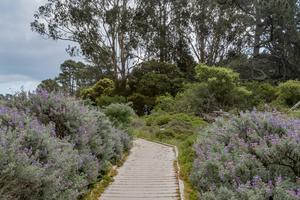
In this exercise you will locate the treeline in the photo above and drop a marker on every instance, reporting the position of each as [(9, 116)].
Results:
[(162, 86), (258, 38)]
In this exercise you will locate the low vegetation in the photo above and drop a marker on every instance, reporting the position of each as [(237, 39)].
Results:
[(251, 156), (54, 147)]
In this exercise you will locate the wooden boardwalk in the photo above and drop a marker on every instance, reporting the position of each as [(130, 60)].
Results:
[(148, 174)]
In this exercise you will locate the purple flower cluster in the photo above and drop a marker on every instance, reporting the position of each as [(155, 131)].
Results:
[(254, 151), (55, 146)]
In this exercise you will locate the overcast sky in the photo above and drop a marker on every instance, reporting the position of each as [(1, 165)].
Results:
[(25, 57)]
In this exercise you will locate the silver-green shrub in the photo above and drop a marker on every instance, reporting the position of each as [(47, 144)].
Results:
[(62, 145), (36, 165), (251, 156)]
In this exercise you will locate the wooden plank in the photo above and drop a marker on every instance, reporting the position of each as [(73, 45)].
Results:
[(147, 174)]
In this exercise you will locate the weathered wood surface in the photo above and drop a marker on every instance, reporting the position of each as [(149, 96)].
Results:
[(148, 174)]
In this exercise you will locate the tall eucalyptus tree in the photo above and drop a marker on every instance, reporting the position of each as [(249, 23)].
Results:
[(101, 28)]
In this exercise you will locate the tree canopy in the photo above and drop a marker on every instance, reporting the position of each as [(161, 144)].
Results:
[(261, 37)]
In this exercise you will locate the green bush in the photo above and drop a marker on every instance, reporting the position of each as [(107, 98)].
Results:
[(152, 79), (179, 123), (105, 100), (220, 87), (139, 101), (158, 119), (155, 78), (288, 93), (119, 114), (102, 87), (261, 93), (217, 88), (165, 103)]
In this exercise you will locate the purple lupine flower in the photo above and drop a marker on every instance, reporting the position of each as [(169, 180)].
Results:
[(256, 182), (269, 188), (294, 193)]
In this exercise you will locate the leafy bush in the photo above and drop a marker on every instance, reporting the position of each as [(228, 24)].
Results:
[(151, 79), (173, 126), (119, 114), (139, 101), (288, 93), (105, 100), (88, 137), (165, 103), (155, 78), (251, 156), (217, 88), (103, 87), (261, 93)]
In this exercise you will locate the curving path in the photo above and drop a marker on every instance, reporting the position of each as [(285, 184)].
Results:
[(148, 174)]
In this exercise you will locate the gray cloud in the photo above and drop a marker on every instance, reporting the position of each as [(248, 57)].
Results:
[(14, 83), (24, 53)]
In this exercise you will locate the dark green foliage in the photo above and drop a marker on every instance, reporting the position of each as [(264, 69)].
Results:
[(139, 102), (262, 93), (151, 79), (162, 27), (155, 78), (165, 103), (49, 85), (105, 100)]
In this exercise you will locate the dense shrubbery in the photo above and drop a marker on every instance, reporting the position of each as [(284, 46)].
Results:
[(56, 144), (119, 114), (102, 93), (104, 87), (36, 165), (251, 156), (288, 93), (262, 93), (139, 101), (105, 100), (217, 88), (151, 79)]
